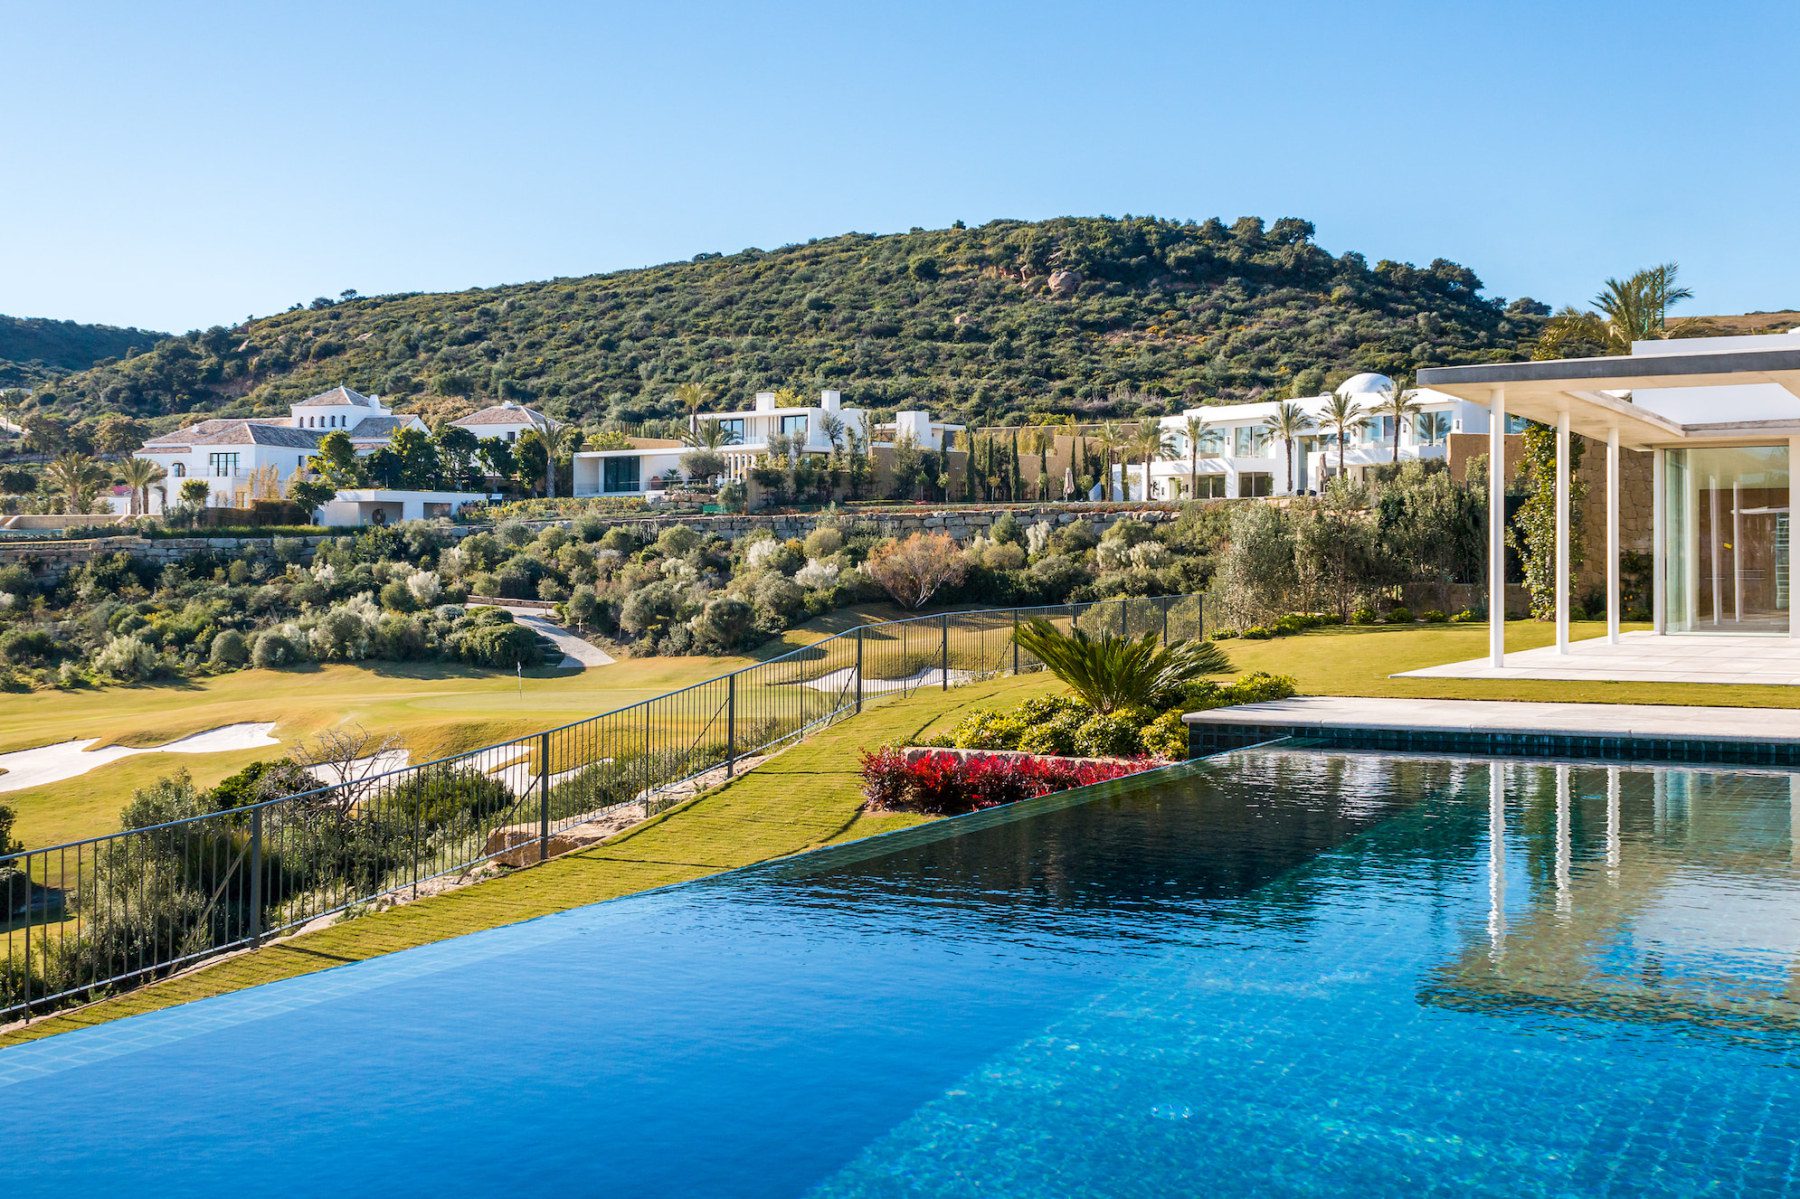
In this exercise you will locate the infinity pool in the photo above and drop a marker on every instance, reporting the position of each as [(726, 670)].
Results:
[(1278, 972)]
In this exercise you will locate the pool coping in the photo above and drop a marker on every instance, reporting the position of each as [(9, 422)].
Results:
[(1619, 732)]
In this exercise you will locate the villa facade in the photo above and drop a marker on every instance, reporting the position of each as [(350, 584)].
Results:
[(745, 436), (1240, 457), (230, 454)]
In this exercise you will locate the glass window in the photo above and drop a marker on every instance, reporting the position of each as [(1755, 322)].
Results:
[(620, 474), (1249, 441), (223, 466), (1256, 483), (1726, 533), (181, 470), (793, 425), (734, 430)]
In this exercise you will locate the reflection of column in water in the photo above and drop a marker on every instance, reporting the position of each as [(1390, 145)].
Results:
[(1496, 860), (1794, 816), (1562, 839), (1659, 800), (1612, 823)]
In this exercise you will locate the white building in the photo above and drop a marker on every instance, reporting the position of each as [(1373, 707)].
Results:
[(1240, 456), (228, 453), (808, 429), (505, 421)]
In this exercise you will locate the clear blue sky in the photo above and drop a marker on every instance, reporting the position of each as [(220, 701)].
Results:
[(178, 165)]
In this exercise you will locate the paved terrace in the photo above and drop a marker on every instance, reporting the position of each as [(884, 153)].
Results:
[(1757, 734), (1642, 658)]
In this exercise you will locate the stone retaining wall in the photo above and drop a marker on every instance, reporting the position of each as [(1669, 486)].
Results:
[(961, 522)]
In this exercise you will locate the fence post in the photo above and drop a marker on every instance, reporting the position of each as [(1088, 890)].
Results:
[(731, 722), (1124, 611), (649, 762), (1015, 641), (1164, 604), (543, 786), (859, 668), (256, 872), (944, 621)]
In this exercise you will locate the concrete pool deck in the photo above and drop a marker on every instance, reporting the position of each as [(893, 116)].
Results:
[(1770, 733), (1641, 657)]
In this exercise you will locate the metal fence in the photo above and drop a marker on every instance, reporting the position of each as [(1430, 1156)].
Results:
[(90, 916)]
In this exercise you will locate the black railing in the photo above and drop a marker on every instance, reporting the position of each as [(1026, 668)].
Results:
[(89, 916)]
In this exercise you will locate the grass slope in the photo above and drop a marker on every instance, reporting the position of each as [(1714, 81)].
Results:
[(800, 800)]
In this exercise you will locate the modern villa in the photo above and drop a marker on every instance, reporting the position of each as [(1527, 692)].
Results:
[(1719, 419), (745, 436), (1240, 456)]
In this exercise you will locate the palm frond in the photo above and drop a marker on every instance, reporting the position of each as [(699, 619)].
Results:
[(1111, 672)]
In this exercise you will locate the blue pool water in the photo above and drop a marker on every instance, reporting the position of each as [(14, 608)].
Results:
[(1280, 972)]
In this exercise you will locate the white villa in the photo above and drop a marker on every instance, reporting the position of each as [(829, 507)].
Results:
[(649, 470), (505, 421), (1240, 457), (1719, 418), (229, 454)]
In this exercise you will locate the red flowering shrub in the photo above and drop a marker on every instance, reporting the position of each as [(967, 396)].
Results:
[(942, 783)]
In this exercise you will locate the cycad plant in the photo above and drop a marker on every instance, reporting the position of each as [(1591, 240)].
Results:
[(1111, 672)]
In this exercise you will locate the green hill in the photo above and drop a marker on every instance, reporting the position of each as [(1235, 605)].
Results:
[(1084, 315), (33, 349)]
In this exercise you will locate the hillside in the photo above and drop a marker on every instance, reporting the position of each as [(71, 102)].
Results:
[(33, 349), (1086, 315)]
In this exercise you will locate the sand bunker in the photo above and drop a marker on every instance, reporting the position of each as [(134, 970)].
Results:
[(71, 759), (845, 680)]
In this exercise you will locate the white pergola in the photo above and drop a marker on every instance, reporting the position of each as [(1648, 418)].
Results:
[(1701, 393)]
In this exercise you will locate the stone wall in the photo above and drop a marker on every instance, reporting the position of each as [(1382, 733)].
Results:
[(51, 560)]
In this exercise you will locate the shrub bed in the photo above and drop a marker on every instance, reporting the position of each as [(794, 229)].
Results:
[(945, 783)]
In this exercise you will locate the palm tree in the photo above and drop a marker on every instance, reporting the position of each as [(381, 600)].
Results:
[(1288, 423), (77, 478), (1343, 416), (1112, 672), (1398, 405), (141, 474), (1194, 429), (1627, 310), (558, 438), (1151, 441), (691, 397)]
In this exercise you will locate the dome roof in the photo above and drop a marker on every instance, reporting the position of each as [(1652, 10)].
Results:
[(1366, 383)]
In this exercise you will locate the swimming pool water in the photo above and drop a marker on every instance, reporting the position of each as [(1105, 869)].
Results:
[(1281, 971)]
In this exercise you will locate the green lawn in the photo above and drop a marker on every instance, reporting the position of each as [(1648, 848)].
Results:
[(802, 799)]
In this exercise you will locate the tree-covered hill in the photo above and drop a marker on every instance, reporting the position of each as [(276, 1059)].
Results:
[(1083, 315), (33, 349)]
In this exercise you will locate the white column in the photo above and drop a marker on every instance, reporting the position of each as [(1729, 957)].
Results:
[(1793, 548), (1659, 554), (1497, 527), (1612, 535), (1737, 555), (1562, 531), (1715, 547)]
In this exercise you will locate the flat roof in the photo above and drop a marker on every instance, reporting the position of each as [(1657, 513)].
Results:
[(1598, 393)]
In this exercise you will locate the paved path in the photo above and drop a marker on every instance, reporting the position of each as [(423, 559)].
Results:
[(578, 653), (1763, 725)]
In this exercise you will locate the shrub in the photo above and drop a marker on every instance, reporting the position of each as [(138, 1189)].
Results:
[(917, 568), (725, 622), (1400, 615), (1433, 616), (1110, 735), (443, 797), (128, 659), (1466, 616), (988, 729), (273, 649), (945, 783), (1362, 615), (493, 639), (1257, 632), (229, 649), (1166, 736)]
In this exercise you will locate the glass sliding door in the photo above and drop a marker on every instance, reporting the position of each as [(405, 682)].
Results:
[(1727, 532)]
